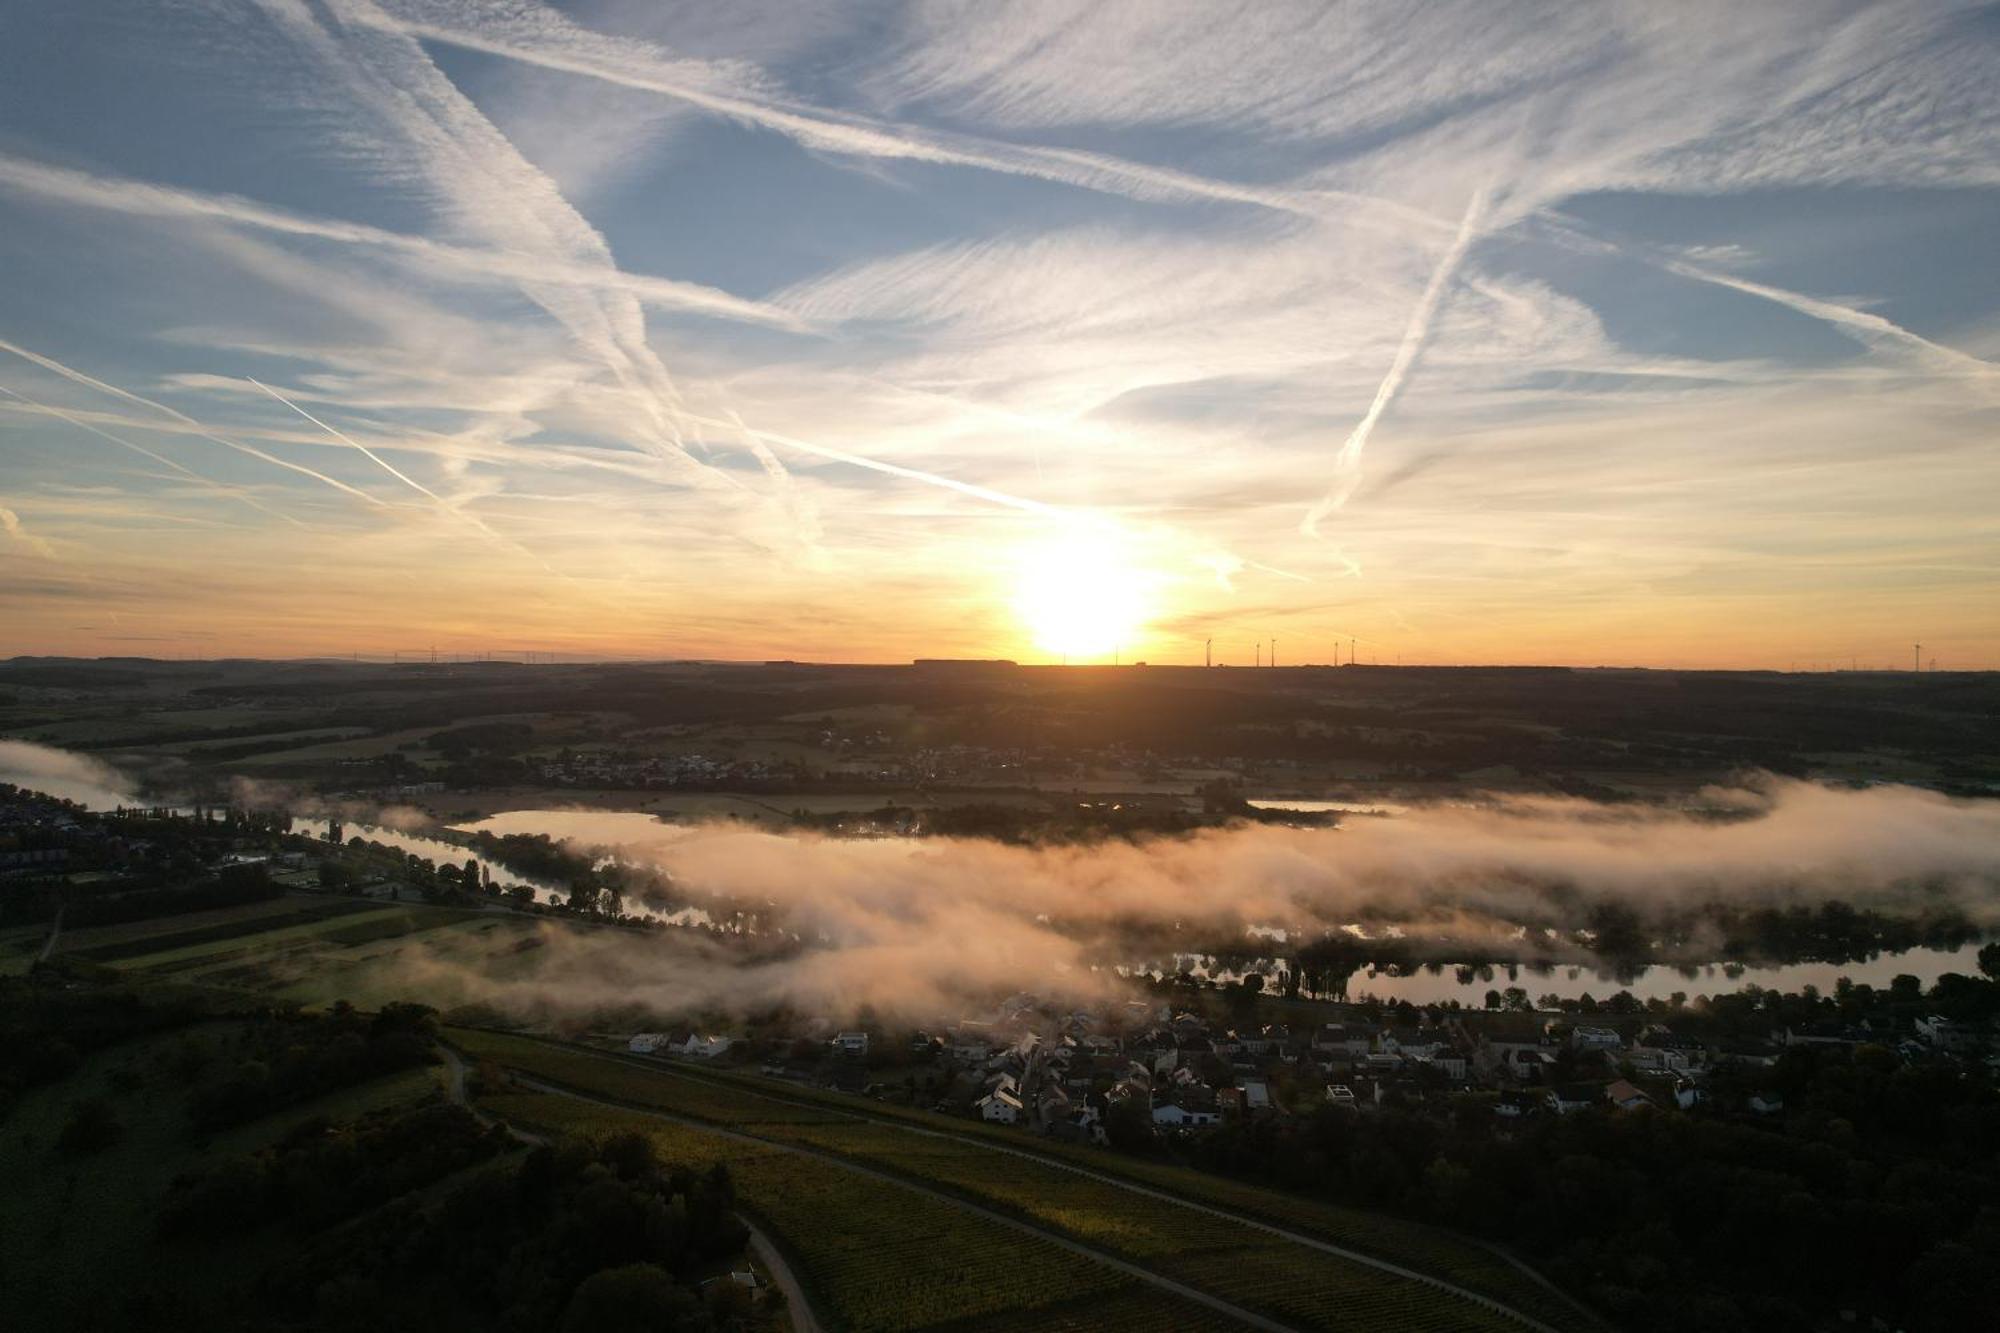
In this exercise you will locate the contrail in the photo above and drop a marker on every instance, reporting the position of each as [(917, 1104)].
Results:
[(78, 377), (977, 492), (443, 505), (233, 492), (139, 198), (1347, 464), (554, 42), (372, 456), (1861, 325)]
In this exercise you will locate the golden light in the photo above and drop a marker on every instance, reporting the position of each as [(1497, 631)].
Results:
[(1080, 592)]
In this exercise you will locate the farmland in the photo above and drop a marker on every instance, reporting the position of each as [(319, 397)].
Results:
[(1027, 1175), (1294, 1283), (881, 1259)]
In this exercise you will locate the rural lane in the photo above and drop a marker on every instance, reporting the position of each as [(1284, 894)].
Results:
[(1147, 1275), (782, 1276), (1295, 1237)]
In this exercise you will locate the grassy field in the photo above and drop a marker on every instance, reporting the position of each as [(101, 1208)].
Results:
[(172, 935), (75, 1233), (372, 923), (1294, 1282)]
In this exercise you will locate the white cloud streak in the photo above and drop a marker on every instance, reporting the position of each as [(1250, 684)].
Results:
[(1347, 464)]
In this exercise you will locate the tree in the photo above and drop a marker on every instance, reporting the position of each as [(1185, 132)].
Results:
[(1128, 1124), (1989, 960), (637, 1298)]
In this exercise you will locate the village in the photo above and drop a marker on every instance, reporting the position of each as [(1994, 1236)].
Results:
[(1166, 1068)]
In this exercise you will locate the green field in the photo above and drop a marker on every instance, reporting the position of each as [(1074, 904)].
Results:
[(1295, 1282), (171, 941)]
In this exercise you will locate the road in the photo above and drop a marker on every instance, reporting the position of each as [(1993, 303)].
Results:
[(1119, 1182), (1146, 1275), (782, 1277)]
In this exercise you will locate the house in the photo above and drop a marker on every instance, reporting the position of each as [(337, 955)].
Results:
[(646, 1043), (1752, 1053), (1083, 1126), (1687, 1094), (1945, 1034), (1625, 1095), (704, 1048), (1569, 1098), (1514, 1105), (1340, 1095), (1446, 1061), (1414, 1042), (1256, 1095), (851, 1043), (1517, 1044), (1179, 1117), (1767, 1103), (999, 1106), (1584, 1038), (1340, 1039)]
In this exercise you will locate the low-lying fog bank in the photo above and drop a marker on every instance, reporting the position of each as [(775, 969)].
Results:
[(912, 926)]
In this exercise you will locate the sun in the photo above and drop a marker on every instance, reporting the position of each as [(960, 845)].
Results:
[(1080, 593)]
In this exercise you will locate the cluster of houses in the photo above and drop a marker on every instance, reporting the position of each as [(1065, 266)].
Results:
[(1064, 1073), (1191, 1074), (596, 769)]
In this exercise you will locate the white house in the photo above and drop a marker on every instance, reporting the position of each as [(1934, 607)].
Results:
[(851, 1043), (1000, 1106), (1339, 1094), (704, 1048), (1180, 1117), (1584, 1038), (646, 1043), (1572, 1097), (1339, 1039)]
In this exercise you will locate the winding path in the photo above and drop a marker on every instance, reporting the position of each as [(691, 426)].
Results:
[(1147, 1275), (1119, 1182), (768, 1254)]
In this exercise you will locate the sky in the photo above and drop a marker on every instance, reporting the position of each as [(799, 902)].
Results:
[(1590, 334)]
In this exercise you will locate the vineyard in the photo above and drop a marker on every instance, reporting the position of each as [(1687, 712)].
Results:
[(1410, 1244), (879, 1258), (1292, 1282)]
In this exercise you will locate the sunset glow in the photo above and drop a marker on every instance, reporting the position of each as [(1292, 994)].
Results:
[(655, 331), (1079, 593)]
